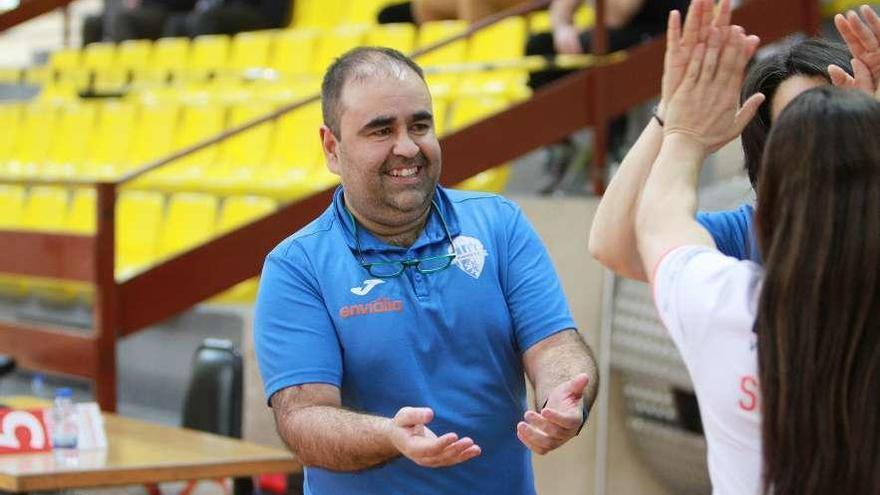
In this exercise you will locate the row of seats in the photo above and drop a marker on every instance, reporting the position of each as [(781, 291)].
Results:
[(102, 140), (150, 226), (292, 56)]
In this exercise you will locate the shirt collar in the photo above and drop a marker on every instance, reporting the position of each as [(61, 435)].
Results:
[(432, 233)]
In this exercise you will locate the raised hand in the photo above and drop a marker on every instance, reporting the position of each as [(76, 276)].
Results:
[(558, 420), (680, 43), (863, 39), (415, 441), (862, 36), (705, 105)]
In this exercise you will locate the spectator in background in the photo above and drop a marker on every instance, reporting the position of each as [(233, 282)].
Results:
[(629, 23), (230, 17), (154, 19), (419, 11)]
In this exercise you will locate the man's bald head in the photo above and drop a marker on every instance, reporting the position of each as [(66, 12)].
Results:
[(358, 64)]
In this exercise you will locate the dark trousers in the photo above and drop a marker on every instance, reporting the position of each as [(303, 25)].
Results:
[(618, 39), (228, 19)]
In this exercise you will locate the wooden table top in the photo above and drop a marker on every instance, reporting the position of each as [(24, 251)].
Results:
[(141, 452)]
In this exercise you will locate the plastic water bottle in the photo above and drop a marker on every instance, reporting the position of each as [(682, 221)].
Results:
[(64, 421)]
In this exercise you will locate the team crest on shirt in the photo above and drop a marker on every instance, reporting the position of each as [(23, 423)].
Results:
[(470, 255)]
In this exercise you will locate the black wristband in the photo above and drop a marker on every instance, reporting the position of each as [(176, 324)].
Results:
[(657, 117), (585, 414)]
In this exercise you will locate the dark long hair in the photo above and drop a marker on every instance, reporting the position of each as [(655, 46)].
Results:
[(818, 325), (809, 58)]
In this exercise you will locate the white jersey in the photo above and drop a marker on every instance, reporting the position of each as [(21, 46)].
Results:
[(708, 302)]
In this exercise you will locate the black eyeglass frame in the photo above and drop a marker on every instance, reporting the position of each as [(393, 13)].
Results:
[(404, 264)]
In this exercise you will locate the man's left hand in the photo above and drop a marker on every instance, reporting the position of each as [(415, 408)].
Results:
[(559, 419)]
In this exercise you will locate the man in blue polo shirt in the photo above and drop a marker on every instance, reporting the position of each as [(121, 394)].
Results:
[(393, 332)]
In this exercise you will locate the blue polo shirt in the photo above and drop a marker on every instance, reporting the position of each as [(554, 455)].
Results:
[(733, 232), (451, 340)]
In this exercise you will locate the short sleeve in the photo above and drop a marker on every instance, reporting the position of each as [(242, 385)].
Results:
[(730, 230), (294, 336), (533, 291), (699, 291)]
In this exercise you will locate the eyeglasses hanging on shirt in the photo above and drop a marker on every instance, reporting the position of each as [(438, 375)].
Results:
[(391, 269)]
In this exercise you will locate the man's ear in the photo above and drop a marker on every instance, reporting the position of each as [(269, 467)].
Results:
[(330, 145)]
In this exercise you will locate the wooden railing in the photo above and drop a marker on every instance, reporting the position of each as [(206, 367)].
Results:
[(588, 98)]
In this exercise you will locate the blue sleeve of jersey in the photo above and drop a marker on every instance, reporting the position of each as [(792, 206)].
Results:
[(730, 229), (294, 336), (534, 294)]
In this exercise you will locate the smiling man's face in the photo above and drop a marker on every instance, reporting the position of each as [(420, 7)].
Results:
[(387, 154)]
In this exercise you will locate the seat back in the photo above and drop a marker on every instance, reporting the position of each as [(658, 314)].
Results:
[(401, 37), (334, 43), (190, 221), (12, 205), (295, 52), (213, 400)]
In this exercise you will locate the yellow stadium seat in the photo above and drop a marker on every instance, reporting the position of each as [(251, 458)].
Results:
[(241, 155), (10, 121), (584, 18), (466, 111), (334, 43), (12, 200), (64, 65), (501, 42), (294, 158), (401, 37), (169, 60), (155, 131), (442, 85), (250, 50), (198, 122), (34, 139), (96, 59), (138, 220), (441, 107), (190, 221), (72, 141), (208, 55), (318, 13), (112, 142), (132, 62), (45, 209), (238, 211), (365, 11), (295, 52)]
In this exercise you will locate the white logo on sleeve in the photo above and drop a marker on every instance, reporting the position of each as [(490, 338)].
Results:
[(470, 255), (367, 286)]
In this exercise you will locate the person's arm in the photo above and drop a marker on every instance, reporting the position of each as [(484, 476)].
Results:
[(311, 421), (563, 373), (612, 235), (619, 12), (300, 361), (565, 34), (702, 111)]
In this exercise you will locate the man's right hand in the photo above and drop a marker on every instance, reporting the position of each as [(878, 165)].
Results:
[(408, 433)]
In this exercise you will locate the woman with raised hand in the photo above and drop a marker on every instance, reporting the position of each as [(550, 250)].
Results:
[(785, 359), (780, 77)]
